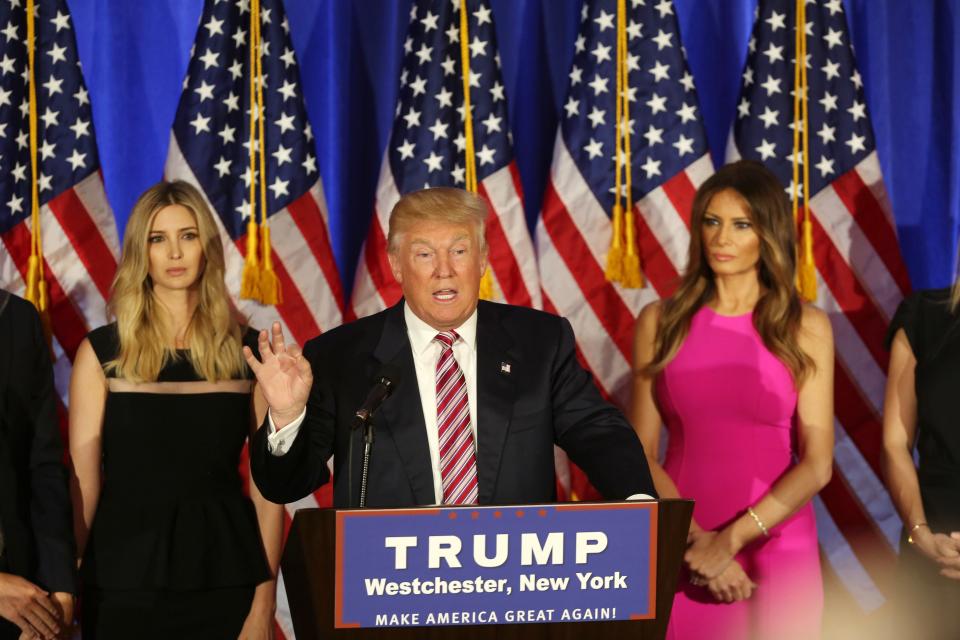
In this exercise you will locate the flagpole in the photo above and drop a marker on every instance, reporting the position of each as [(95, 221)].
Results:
[(470, 162)]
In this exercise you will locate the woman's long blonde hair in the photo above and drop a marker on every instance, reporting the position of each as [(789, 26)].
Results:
[(214, 334), (779, 310)]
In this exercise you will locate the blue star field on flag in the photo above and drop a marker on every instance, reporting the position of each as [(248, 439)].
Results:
[(66, 146), (212, 124), (427, 145), (840, 135), (666, 133)]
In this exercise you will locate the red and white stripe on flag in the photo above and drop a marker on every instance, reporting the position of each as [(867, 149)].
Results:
[(77, 229), (81, 249)]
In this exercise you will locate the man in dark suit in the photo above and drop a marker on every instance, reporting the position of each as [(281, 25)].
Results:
[(482, 391), (36, 536)]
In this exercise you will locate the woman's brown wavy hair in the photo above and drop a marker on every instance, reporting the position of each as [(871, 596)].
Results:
[(779, 310)]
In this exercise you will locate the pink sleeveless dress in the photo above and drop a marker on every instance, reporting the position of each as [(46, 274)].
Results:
[(729, 406)]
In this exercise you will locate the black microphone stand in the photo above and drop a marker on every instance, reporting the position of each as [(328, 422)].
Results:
[(364, 418), (365, 469)]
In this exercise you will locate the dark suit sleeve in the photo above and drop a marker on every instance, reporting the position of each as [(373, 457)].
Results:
[(50, 511), (594, 433), (303, 468)]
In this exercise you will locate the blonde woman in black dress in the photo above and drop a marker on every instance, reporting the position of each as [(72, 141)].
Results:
[(920, 412), (161, 404)]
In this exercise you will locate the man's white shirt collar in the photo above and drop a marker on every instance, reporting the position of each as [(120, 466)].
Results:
[(422, 334)]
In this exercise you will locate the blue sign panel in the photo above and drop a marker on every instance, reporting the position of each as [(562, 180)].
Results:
[(496, 565)]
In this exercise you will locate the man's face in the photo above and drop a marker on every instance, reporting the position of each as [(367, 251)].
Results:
[(439, 266)]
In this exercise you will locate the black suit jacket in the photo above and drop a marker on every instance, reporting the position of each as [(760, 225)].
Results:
[(531, 393), (35, 509)]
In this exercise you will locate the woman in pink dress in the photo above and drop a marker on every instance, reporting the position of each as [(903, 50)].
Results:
[(741, 374)]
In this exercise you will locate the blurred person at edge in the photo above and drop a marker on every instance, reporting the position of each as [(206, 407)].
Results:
[(920, 411), (37, 578), (161, 406), (741, 374)]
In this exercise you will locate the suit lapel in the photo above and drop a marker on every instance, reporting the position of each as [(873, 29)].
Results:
[(495, 397), (402, 413)]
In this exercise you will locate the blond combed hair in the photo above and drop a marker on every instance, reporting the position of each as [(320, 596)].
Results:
[(779, 311), (214, 334), (438, 204)]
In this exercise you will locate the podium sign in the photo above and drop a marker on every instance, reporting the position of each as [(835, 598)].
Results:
[(495, 565)]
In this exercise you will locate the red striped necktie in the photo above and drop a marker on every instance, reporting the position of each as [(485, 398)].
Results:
[(458, 456)]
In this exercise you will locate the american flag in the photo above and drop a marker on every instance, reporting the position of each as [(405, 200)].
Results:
[(428, 144), (861, 277), (209, 147), (80, 243), (669, 161)]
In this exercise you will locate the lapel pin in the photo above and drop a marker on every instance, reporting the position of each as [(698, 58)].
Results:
[(504, 367)]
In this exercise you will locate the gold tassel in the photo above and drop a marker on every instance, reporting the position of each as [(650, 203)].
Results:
[(623, 259), (808, 269), (614, 270), (270, 291), (614, 267), (632, 276), (38, 295), (36, 292), (487, 288), (269, 284), (808, 282), (250, 280), (32, 293)]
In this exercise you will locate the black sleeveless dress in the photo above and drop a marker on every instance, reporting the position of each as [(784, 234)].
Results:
[(174, 550), (934, 336)]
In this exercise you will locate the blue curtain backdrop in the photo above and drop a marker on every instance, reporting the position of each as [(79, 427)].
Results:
[(135, 53)]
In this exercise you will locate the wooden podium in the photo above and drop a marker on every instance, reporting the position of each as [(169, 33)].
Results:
[(309, 574)]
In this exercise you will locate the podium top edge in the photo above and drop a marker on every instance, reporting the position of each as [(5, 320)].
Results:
[(532, 505)]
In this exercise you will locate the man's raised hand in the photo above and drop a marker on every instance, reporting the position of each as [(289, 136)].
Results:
[(283, 374)]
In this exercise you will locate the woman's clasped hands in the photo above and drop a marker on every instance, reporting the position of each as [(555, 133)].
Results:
[(711, 563)]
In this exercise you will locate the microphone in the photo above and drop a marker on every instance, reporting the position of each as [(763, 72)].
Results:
[(380, 391), (387, 380)]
